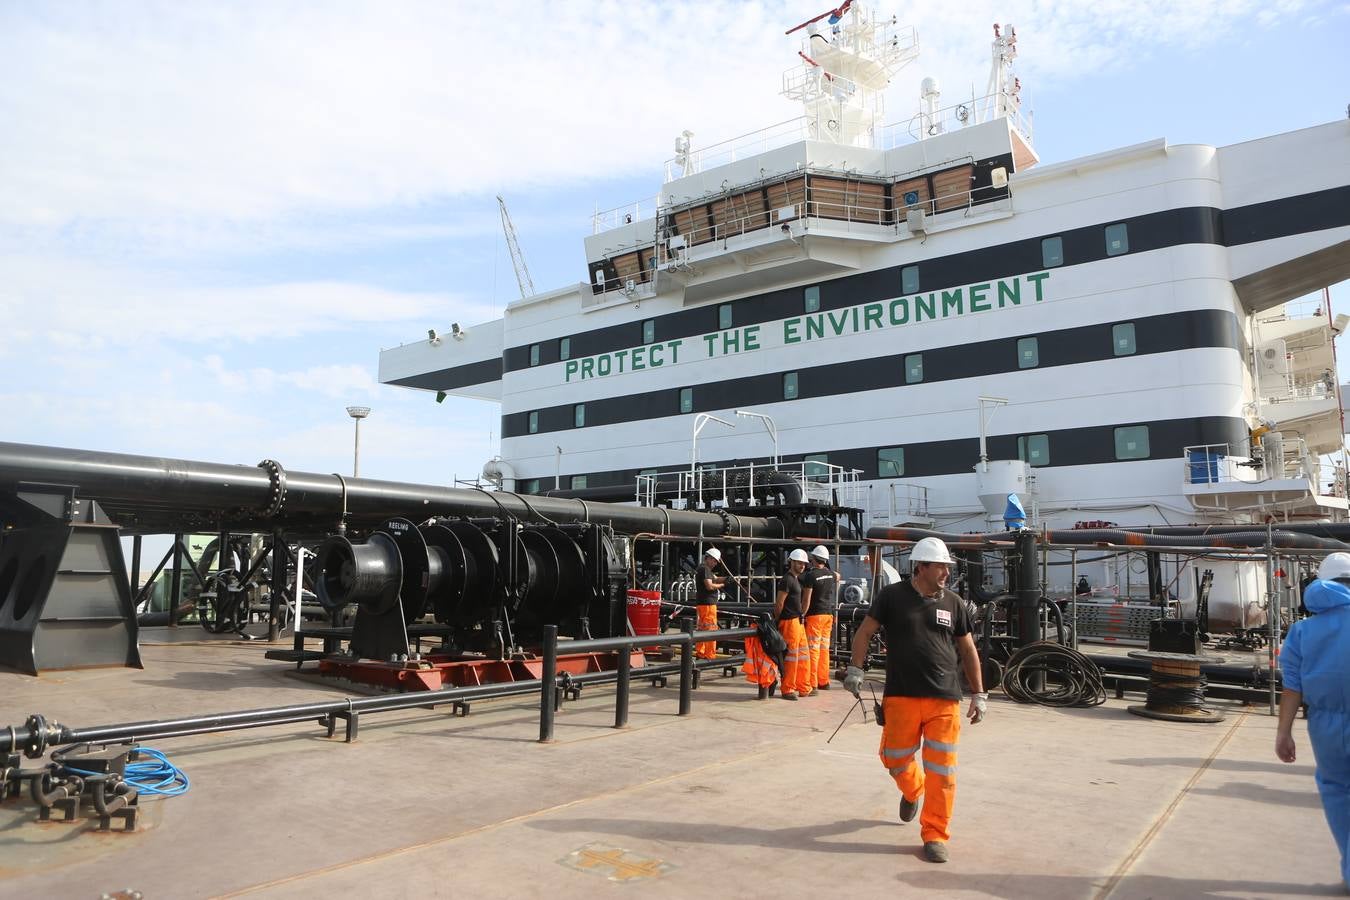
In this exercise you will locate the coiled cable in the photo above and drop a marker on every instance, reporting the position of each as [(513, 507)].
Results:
[(151, 775), (1066, 677)]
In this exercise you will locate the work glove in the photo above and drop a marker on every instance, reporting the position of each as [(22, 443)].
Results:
[(853, 680), (979, 707)]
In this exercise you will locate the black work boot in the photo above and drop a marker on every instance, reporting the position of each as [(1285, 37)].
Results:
[(935, 851), (908, 808)]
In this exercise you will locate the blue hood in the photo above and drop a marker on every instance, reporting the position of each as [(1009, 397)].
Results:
[(1321, 596)]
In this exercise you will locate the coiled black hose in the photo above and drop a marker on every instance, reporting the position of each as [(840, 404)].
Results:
[(1066, 677), (1173, 690)]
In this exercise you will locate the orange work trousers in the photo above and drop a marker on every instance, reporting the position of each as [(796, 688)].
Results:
[(758, 668), (818, 630), (934, 725), (707, 621), (797, 665)]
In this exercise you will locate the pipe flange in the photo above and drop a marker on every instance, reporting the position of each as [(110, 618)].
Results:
[(36, 725), (277, 497), (726, 520)]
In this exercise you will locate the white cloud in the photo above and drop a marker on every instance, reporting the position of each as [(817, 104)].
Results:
[(182, 121), (81, 304)]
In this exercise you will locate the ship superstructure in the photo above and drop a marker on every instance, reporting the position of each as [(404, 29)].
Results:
[(928, 309)]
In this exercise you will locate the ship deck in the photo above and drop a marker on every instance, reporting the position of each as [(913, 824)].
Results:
[(740, 799)]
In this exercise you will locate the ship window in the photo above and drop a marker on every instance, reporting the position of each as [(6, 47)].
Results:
[(909, 280), (1132, 442), (530, 487), (1122, 339), (1052, 252), (649, 331), (890, 462), (1034, 449), (816, 465), (686, 400), (534, 354), (565, 348), (534, 422), (578, 482), (1117, 239), (789, 385), (579, 415), (1028, 353), (813, 299), (724, 319), (914, 368)]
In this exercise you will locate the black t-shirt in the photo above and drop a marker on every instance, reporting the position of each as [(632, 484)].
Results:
[(792, 605), (921, 633), (821, 581), (701, 574)]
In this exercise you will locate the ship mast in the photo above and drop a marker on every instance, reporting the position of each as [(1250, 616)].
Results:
[(848, 57)]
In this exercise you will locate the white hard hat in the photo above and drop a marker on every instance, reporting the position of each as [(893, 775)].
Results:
[(821, 553), (798, 555), (930, 549), (1337, 565), (714, 553)]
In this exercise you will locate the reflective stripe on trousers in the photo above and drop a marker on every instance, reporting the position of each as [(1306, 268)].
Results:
[(818, 629), (758, 668), (707, 621), (797, 668), (918, 749)]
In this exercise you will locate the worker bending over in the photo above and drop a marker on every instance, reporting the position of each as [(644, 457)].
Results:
[(927, 632)]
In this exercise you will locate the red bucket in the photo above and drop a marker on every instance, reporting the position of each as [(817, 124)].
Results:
[(644, 613)]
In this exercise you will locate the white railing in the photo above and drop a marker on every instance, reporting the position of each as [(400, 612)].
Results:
[(1214, 464), (924, 125), (627, 214), (909, 502), (731, 487), (740, 147), (1321, 389)]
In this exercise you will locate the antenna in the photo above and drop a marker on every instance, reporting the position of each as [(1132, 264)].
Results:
[(517, 258)]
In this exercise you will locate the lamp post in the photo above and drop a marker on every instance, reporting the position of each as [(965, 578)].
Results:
[(357, 413), (768, 423)]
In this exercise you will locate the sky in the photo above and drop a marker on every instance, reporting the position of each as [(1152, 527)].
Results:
[(214, 215)]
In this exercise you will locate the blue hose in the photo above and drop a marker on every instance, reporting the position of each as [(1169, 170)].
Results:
[(152, 775)]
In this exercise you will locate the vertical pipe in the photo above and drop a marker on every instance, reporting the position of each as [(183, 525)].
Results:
[(1271, 614), (548, 684), (279, 567), (1073, 599), (136, 567), (686, 667), (176, 580), (1028, 598), (621, 690)]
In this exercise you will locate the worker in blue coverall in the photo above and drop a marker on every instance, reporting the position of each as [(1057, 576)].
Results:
[(1315, 664)]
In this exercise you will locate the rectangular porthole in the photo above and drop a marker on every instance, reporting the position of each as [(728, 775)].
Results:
[(1028, 353), (1132, 442), (890, 462), (1117, 239), (1052, 252)]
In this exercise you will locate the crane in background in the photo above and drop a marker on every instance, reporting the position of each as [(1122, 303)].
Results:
[(517, 258)]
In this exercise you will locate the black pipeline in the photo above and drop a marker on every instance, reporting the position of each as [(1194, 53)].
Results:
[(1244, 537), (159, 488)]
